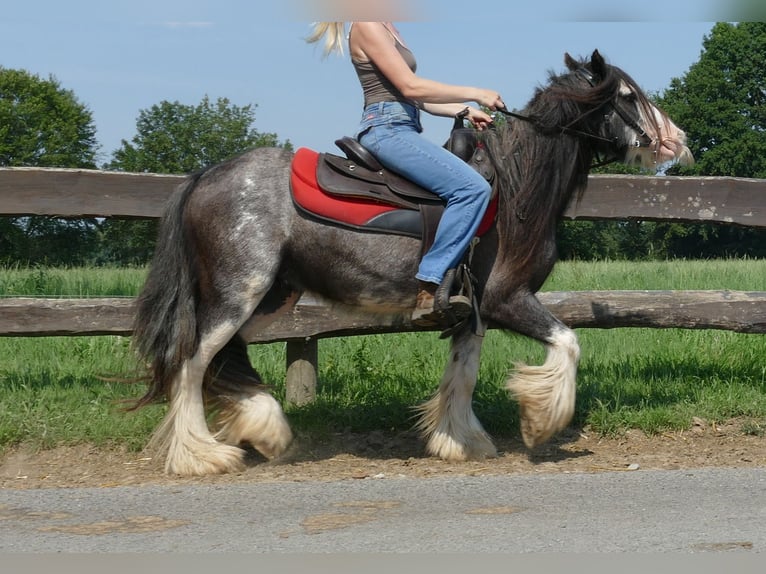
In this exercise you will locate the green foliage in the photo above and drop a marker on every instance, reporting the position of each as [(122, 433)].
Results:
[(179, 139), (52, 393), (721, 102), (43, 125), (48, 240), (71, 281)]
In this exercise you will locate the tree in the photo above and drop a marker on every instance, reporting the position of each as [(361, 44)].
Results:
[(176, 138), (43, 125), (721, 103)]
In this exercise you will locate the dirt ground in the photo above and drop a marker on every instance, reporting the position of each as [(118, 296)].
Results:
[(379, 455)]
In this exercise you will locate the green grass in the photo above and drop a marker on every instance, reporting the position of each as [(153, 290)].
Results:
[(52, 389), (75, 282)]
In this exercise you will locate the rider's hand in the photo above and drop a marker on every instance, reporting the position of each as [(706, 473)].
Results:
[(490, 99), (479, 119)]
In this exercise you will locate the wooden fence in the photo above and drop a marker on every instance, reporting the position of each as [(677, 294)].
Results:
[(72, 193)]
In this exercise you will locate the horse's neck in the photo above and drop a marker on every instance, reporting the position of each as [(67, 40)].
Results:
[(533, 183)]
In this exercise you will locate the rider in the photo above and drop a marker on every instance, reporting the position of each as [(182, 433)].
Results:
[(390, 129)]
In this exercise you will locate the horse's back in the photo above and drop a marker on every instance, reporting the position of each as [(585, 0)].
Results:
[(253, 168), (253, 185)]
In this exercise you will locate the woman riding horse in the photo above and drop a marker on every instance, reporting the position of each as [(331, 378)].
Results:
[(390, 128), (234, 253)]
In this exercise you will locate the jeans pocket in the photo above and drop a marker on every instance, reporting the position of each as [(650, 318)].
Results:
[(389, 114)]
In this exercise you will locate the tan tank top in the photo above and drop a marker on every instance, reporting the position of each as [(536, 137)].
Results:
[(375, 85)]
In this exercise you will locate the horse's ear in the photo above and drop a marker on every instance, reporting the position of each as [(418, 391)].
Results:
[(597, 64), (570, 62)]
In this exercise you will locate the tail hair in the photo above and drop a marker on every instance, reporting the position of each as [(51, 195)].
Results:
[(165, 325)]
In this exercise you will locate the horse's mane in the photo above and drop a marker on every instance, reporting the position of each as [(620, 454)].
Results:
[(539, 166)]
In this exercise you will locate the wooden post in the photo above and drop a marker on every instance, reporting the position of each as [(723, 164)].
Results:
[(302, 362)]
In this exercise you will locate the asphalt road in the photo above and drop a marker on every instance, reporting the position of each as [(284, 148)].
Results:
[(689, 511)]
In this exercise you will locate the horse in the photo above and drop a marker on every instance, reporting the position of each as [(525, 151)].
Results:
[(234, 252)]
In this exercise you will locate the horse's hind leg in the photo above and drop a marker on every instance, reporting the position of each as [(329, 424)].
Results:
[(247, 412), (191, 450), (447, 420), (220, 368)]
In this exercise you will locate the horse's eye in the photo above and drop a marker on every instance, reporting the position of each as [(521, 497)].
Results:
[(630, 97)]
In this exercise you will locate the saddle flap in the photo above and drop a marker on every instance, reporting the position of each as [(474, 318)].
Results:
[(335, 170), (341, 176)]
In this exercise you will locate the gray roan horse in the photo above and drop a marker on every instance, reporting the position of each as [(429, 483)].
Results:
[(234, 252)]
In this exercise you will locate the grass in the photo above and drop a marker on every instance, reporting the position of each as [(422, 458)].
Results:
[(52, 391), (74, 282)]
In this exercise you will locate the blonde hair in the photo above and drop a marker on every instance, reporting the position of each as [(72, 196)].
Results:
[(334, 34)]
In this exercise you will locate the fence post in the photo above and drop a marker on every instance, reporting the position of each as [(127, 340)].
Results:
[(301, 379)]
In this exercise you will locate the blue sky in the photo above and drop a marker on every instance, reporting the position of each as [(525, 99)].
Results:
[(122, 57)]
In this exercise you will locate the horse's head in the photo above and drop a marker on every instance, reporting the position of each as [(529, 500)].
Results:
[(631, 126)]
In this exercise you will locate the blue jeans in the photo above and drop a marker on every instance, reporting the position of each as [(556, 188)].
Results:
[(391, 132)]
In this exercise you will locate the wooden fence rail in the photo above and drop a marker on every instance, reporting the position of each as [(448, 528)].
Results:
[(90, 193)]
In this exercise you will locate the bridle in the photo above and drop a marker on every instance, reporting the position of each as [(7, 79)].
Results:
[(642, 140)]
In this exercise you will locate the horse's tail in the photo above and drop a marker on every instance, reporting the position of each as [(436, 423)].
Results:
[(165, 324)]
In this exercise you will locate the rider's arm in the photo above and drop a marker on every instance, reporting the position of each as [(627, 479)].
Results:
[(374, 42), (478, 118)]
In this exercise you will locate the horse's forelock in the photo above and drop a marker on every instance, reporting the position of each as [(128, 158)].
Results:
[(654, 118)]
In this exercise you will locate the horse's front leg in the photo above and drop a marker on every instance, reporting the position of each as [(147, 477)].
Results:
[(447, 420), (545, 393)]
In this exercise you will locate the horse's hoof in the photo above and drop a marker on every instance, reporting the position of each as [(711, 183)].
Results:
[(210, 459), (532, 436), (448, 449)]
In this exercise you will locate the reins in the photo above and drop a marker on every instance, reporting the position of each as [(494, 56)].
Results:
[(559, 129), (643, 139), (567, 130)]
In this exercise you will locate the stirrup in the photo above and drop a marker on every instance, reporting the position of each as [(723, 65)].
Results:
[(455, 313), (451, 313)]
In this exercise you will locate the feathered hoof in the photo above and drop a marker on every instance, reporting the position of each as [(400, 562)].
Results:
[(538, 425), (213, 458), (546, 396), (533, 433), (259, 421), (276, 445), (445, 447)]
